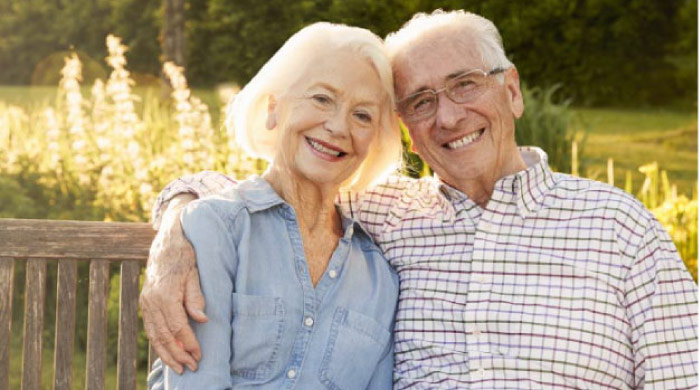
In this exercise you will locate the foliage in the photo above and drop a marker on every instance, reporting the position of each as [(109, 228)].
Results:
[(678, 214), (603, 51), (546, 124), (109, 154), (31, 31)]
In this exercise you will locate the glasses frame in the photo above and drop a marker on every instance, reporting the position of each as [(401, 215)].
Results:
[(445, 88)]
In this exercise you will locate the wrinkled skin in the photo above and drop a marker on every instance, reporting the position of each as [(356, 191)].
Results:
[(171, 292)]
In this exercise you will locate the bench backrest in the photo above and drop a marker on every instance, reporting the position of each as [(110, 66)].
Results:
[(68, 242)]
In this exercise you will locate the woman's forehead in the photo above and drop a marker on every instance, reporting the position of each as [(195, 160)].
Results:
[(343, 72)]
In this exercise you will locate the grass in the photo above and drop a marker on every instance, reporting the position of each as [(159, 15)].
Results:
[(636, 137), (38, 96)]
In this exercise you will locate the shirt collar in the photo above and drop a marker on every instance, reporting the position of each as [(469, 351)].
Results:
[(258, 195), (528, 187)]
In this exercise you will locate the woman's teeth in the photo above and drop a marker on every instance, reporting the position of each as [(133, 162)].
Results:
[(466, 140), (323, 149)]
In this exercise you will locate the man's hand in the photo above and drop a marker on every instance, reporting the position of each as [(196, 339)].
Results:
[(170, 288)]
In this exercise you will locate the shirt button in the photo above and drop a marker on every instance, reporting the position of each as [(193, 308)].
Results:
[(476, 332), (291, 374), (333, 274), (478, 373), (308, 321), (481, 279)]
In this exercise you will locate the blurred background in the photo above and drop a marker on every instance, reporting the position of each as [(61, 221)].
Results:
[(102, 103)]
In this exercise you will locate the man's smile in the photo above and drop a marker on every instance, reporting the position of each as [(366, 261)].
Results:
[(466, 140)]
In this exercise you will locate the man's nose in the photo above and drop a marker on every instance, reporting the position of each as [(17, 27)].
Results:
[(448, 113)]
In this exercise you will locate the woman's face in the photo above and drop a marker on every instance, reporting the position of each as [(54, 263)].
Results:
[(328, 119)]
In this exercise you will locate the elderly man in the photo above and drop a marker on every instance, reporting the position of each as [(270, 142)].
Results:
[(511, 276)]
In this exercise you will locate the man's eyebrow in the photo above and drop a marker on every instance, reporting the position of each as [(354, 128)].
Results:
[(419, 90), (455, 74), (448, 77)]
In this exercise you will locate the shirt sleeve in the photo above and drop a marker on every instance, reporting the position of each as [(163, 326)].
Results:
[(200, 184), (661, 304), (210, 239)]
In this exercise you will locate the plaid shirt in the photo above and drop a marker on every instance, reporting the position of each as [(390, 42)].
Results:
[(559, 283)]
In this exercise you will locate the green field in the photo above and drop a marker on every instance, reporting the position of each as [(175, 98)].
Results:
[(636, 137)]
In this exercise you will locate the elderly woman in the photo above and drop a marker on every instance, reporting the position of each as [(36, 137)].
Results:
[(297, 294)]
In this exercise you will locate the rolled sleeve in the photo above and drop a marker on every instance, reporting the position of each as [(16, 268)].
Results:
[(201, 184)]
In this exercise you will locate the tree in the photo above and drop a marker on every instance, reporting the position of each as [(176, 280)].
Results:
[(173, 32)]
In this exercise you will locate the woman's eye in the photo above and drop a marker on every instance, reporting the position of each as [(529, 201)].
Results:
[(322, 99), (363, 117)]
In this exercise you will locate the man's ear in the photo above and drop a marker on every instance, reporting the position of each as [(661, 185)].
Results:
[(271, 121), (515, 95)]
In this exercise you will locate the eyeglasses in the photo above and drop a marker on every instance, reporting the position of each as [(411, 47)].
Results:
[(461, 89)]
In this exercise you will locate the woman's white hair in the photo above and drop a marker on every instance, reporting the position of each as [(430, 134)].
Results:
[(247, 113), (486, 35)]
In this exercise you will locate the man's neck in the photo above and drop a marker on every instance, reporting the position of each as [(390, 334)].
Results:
[(480, 188)]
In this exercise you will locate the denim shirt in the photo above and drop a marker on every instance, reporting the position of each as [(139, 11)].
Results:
[(268, 327)]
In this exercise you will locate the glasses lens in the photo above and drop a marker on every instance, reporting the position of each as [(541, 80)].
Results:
[(419, 106), (467, 87)]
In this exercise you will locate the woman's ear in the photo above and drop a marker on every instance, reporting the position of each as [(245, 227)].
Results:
[(271, 121)]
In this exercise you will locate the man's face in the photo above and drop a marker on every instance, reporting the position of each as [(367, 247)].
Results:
[(461, 142)]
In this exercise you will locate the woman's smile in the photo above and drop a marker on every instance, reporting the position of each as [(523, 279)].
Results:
[(325, 150)]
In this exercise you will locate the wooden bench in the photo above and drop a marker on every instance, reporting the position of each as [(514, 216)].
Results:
[(38, 242)]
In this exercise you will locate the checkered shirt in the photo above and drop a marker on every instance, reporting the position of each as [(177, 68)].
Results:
[(559, 283)]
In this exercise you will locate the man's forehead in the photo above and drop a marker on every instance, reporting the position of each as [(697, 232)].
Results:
[(433, 59)]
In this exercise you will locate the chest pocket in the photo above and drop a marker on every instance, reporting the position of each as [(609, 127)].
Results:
[(356, 344), (257, 328)]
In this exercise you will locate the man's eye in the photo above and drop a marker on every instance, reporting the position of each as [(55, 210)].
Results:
[(463, 85), (422, 103)]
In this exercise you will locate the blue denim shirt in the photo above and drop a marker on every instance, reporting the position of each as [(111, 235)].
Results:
[(269, 328)]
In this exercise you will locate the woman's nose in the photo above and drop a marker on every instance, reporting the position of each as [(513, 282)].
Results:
[(336, 124)]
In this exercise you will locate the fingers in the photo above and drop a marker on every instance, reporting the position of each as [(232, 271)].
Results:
[(165, 321), (178, 337), (187, 341), (153, 324), (194, 300)]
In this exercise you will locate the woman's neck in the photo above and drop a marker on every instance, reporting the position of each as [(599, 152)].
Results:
[(314, 204)]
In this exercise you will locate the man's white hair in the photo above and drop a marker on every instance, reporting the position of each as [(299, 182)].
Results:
[(485, 33), (247, 113)]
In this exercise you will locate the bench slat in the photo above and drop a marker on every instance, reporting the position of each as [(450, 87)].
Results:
[(97, 325), (7, 266), (128, 325), (65, 323), (75, 239), (35, 295)]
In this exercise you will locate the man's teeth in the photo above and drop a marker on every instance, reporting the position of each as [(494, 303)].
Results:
[(466, 140), (323, 149)]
